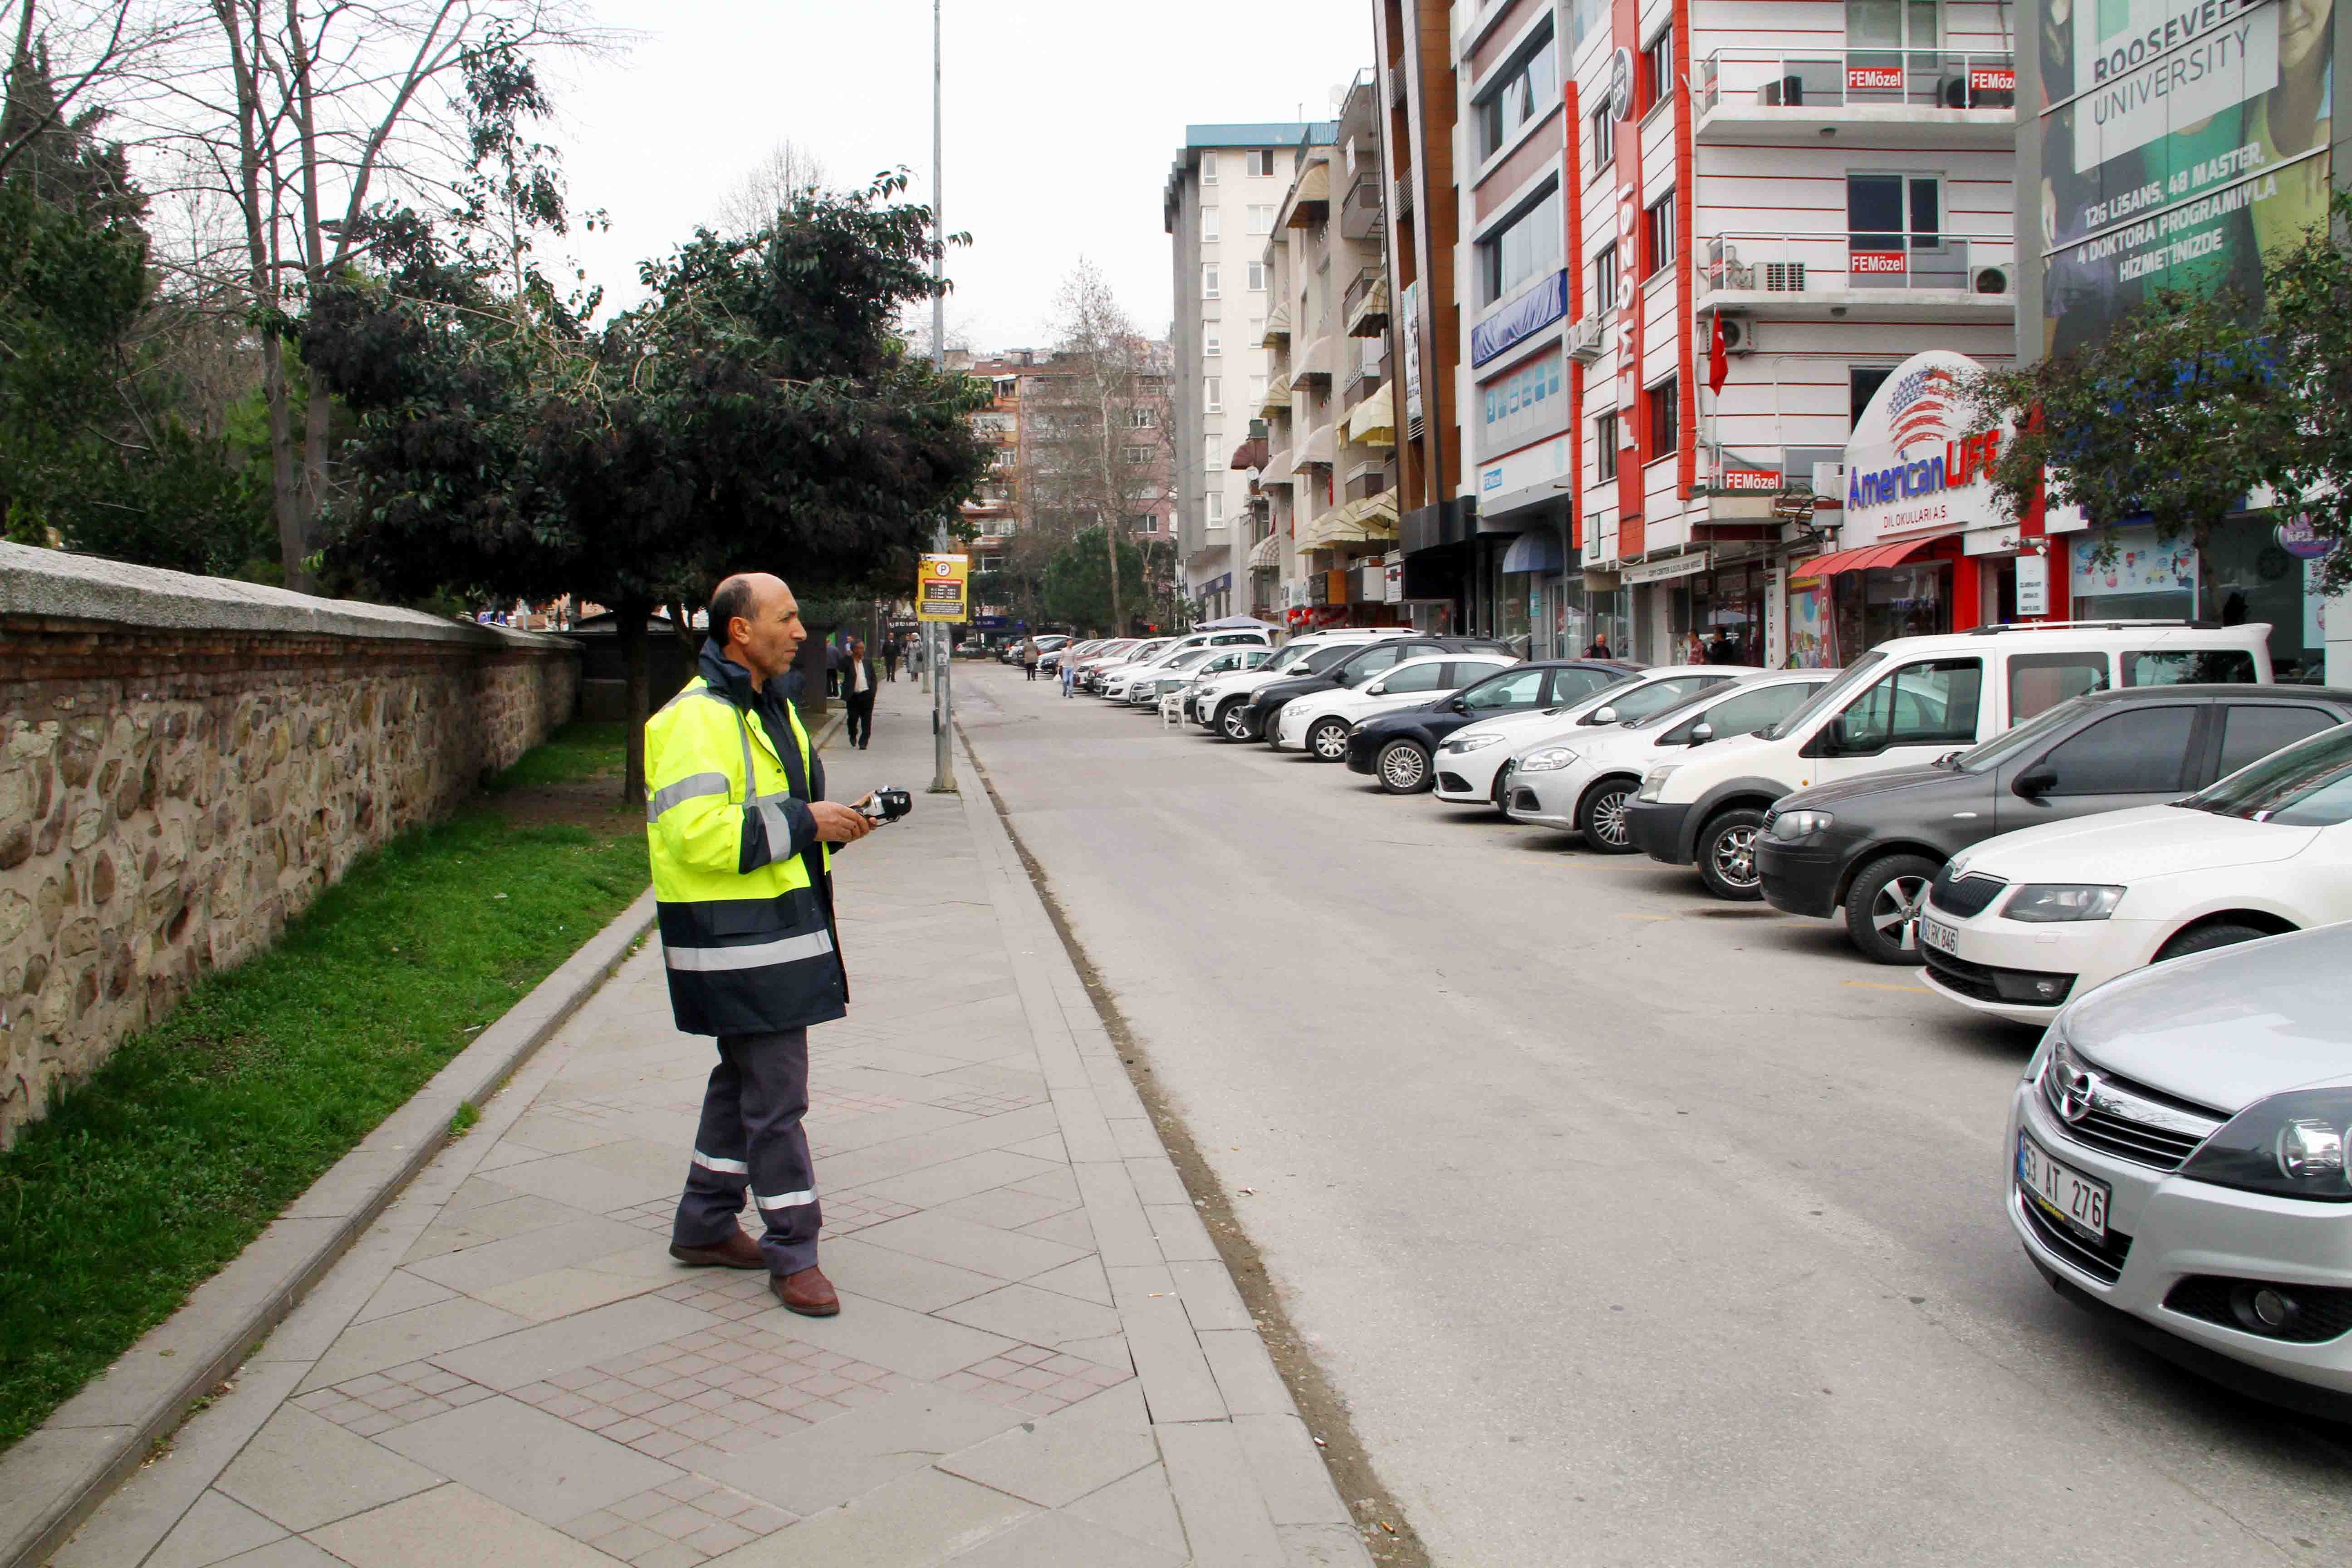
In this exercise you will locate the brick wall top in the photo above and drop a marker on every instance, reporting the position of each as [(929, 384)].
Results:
[(50, 585)]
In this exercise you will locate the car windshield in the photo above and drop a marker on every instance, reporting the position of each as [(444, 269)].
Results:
[(1682, 710), (1190, 656), (1851, 678), (1323, 659), (2308, 784), (2025, 737)]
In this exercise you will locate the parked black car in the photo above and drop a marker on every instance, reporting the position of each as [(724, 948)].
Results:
[(1871, 844), (1266, 703), (1396, 748)]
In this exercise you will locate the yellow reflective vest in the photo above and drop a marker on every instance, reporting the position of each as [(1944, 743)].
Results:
[(741, 884)]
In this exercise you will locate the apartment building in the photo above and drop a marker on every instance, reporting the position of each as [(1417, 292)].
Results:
[(1327, 464), (1219, 208), (994, 513), (1694, 241)]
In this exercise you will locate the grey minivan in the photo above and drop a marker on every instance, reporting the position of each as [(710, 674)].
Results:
[(1871, 845)]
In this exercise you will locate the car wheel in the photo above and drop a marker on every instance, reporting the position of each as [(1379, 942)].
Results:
[(1727, 855), (1232, 723), (1328, 741), (2205, 939), (1403, 768), (1882, 907), (1600, 816), (1500, 794)]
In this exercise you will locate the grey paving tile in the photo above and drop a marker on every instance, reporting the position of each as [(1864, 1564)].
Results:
[(217, 1527), (911, 1343), (1322, 1546), (1245, 1373), (901, 1279), (1290, 1471), (450, 1525), (1210, 1299), (1135, 1137), (542, 1351), (1176, 1378), (1137, 1284), (1183, 1238), (1085, 1132), (1001, 1254), (1058, 1541), (293, 1551), (1083, 1279), (919, 1521), (1156, 1181), (528, 1459), (849, 1456), (1055, 1460), (1007, 1208), (410, 1336), (1225, 1516), (958, 1178), (403, 1292), (1049, 1147), (883, 1161), (1122, 1232), (478, 1269), (563, 1292), (610, 1176), (1038, 1317), (1070, 1228), (455, 1230), (1140, 1507), (303, 1472)]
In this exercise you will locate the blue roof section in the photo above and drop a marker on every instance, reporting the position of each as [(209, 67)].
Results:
[(1270, 133)]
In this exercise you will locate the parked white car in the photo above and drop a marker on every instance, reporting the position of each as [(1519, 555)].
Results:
[(1179, 689), (1470, 761), (1318, 724), (1140, 683), (2176, 1159), (2022, 923), (1585, 782), (1105, 671), (1906, 703), (1215, 705)]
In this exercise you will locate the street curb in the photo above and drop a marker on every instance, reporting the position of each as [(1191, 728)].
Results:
[(57, 1477)]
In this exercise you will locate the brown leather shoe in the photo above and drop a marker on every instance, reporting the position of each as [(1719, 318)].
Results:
[(738, 1251), (808, 1292)]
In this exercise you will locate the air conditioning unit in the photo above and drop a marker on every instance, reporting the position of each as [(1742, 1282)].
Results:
[(1586, 339), (1992, 280), (1738, 335)]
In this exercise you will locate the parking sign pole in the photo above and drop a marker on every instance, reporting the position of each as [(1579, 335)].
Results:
[(943, 704)]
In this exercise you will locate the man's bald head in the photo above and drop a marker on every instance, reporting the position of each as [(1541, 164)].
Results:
[(757, 621)]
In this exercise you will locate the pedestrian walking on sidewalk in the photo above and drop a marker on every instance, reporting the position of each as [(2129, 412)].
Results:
[(890, 659), (740, 830), (857, 691), (1029, 658)]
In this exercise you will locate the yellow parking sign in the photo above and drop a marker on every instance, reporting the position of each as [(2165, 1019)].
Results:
[(940, 596)]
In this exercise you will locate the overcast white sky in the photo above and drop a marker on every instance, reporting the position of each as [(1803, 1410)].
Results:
[(1062, 118)]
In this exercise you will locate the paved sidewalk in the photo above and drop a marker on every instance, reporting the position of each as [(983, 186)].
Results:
[(1040, 1361)]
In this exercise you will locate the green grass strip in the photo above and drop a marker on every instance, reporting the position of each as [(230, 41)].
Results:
[(149, 1178)]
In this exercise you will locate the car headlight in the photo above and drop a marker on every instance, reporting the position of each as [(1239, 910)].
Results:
[(1654, 782), (1791, 825), (1470, 743), (2043, 903), (2292, 1145), (1549, 760)]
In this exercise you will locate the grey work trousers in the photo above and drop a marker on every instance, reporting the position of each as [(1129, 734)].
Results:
[(751, 1141)]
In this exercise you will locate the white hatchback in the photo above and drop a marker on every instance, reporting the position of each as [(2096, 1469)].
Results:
[(2021, 923), (1469, 763), (1318, 723)]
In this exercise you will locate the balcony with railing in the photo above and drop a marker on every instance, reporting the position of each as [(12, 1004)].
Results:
[(1860, 276), (1364, 307), (1941, 97), (1363, 379), (1359, 210)]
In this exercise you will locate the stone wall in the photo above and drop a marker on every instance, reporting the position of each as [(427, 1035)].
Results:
[(186, 763)]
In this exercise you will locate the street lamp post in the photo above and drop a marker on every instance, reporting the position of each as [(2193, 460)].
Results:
[(943, 707)]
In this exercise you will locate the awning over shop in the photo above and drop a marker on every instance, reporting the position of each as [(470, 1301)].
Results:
[(1314, 188), (1262, 554), (1533, 551), (1364, 521), (1374, 420), (1861, 560)]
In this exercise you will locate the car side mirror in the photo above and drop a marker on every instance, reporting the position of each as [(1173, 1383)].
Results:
[(1607, 715), (2036, 781), (1459, 705), (1376, 689), (1702, 734)]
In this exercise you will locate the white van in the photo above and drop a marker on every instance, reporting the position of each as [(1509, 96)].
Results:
[(1908, 702)]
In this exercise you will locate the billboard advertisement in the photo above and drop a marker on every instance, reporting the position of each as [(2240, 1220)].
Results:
[(2182, 141)]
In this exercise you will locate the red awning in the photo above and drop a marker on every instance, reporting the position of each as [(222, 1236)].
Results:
[(1861, 560)]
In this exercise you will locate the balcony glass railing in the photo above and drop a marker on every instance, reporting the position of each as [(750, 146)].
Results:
[(1765, 470), (1365, 281), (1857, 262), (1853, 79)]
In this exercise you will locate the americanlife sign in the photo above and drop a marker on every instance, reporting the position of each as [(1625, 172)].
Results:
[(2182, 141)]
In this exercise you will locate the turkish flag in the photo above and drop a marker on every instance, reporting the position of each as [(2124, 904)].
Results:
[(1718, 363)]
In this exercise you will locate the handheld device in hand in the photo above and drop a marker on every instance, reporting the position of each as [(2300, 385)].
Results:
[(887, 804)]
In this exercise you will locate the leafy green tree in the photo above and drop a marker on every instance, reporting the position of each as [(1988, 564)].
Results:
[(2196, 407), (1077, 585)]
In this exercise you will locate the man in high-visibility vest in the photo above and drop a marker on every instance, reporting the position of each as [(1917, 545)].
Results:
[(740, 830)]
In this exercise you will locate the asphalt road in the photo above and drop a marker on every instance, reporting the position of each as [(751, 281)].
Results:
[(1633, 1226)]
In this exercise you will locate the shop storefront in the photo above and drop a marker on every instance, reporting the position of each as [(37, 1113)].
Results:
[(1519, 593), (2252, 568)]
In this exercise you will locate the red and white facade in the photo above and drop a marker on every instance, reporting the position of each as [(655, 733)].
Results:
[(1832, 182)]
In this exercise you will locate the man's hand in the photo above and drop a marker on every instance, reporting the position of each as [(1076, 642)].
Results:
[(839, 823)]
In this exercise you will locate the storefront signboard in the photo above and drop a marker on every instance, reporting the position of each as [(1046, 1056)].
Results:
[(1916, 467), (1874, 79), (1776, 619), (2300, 540), (1992, 79), (1393, 570), (1877, 263), (2181, 147), (1408, 307), (2032, 585), (1672, 566), (1532, 474), (2139, 561), (1748, 480)]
